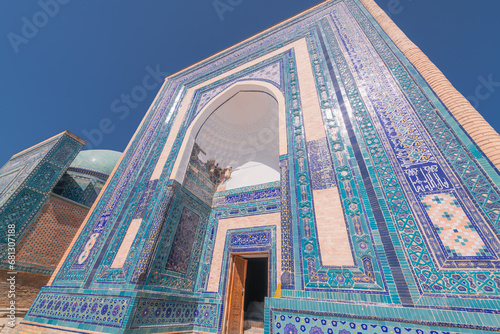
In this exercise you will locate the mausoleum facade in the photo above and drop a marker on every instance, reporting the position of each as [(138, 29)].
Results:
[(321, 176), (45, 193)]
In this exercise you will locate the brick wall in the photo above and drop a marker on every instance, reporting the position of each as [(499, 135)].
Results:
[(46, 241), (27, 287)]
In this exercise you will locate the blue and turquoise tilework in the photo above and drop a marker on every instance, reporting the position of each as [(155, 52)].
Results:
[(289, 323), (174, 313), (98, 310), (421, 208), (25, 183)]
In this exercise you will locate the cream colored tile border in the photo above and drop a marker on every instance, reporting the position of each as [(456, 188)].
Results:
[(126, 244), (271, 219), (331, 227)]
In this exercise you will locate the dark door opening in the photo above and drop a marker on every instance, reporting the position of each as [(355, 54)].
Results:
[(256, 288), (247, 290)]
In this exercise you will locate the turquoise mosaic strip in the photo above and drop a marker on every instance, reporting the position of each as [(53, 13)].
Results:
[(332, 317), (244, 190), (169, 313), (79, 308), (357, 212)]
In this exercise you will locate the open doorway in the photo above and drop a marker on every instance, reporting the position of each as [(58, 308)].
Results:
[(248, 287), (256, 290)]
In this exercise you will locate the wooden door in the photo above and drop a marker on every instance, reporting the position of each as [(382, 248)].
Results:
[(236, 298)]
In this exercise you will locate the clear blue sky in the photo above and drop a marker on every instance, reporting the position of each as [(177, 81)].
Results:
[(68, 72)]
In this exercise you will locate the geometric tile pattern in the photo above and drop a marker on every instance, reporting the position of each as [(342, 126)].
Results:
[(180, 244), (287, 266), (18, 168), (453, 227), (29, 190), (44, 177), (464, 163), (167, 313), (141, 210), (178, 259), (89, 309), (64, 151), (293, 323), (429, 277), (17, 211), (366, 276)]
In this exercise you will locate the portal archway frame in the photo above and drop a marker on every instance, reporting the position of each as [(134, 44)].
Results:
[(179, 170)]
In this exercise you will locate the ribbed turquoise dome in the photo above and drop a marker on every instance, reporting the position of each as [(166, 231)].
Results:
[(102, 161)]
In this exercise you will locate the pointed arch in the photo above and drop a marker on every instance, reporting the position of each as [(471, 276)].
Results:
[(180, 166)]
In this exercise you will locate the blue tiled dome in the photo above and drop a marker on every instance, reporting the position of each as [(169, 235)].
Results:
[(102, 161)]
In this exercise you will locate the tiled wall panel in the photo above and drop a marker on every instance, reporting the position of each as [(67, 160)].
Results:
[(383, 220)]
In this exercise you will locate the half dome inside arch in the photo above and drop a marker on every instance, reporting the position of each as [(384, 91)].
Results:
[(240, 138)]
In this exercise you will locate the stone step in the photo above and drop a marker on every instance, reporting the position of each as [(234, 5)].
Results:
[(254, 331)]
